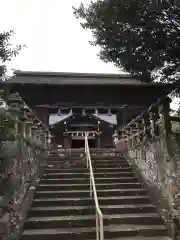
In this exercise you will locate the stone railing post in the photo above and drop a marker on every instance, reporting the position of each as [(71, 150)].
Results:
[(164, 110), (134, 132), (154, 117), (146, 125), (29, 124), (15, 105), (139, 126), (129, 140), (165, 129), (124, 139), (129, 132)]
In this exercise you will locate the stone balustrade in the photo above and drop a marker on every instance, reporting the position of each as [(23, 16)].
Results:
[(149, 125), (152, 147), (23, 148)]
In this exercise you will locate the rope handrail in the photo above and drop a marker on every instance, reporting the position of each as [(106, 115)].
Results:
[(99, 215)]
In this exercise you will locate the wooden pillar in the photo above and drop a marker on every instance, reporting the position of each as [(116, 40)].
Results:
[(53, 142), (98, 140), (67, 141), (119, 117), (124, 115)]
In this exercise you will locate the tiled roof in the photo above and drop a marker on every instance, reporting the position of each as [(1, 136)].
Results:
[(69, 78), (53, 119), (109, 119)]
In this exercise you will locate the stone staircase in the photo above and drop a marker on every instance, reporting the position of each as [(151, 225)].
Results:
[(62, 207)]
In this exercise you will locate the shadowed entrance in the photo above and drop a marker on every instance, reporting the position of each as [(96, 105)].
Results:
[(80, 143)]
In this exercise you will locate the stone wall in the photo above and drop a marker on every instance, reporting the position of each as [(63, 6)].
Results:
[(152, 146), (23, 148)]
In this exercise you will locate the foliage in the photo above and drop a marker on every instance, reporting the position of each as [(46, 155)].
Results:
[(140, 37), (7, 51)]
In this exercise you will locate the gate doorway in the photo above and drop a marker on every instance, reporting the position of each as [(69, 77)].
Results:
[(80, 143)]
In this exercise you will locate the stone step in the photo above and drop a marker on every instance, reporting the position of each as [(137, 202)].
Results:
[(118, 160), (82, 163), (59, 181), (85, 186), (66, 161), (107, 178), (139, 238), (115, 179), (116, 200), (67, 158), (111, 231), (90, 220), (110, 165), (79, 175), (106, 157), (113, 174), (109, 160), (67, 165), (51, 183), (52, 170), (85, 210), (86, 193), (62, 207)]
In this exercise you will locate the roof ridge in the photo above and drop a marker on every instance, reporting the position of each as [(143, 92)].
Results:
[(73, 74)]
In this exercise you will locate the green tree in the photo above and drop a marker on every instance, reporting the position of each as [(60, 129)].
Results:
[(7, 51), (140, 37)]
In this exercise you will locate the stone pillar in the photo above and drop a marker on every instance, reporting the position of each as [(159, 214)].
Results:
[(164, 110)]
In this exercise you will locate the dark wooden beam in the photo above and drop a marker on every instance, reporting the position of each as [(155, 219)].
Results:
[(82, 95)]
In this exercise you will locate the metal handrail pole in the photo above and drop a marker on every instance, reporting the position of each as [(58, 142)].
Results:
[(97, 226), (91, 190), (87, 164), (99, 215), (101, 228)]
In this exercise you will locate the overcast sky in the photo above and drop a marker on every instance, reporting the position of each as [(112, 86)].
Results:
[(55, 41), (53, 36)]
